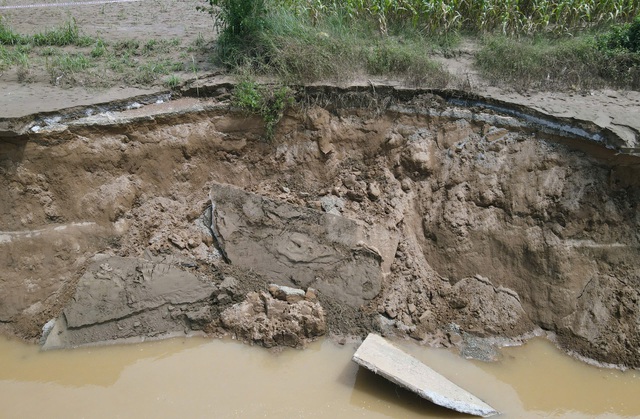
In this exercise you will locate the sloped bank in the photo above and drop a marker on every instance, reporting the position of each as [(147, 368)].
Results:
[(471, 223)]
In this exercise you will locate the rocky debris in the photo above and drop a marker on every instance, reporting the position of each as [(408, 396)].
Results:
[(332, 204), (495, 134), (283, 317), (288, 294), (381, 357), (298, 246), (420, 156), (123, 298), (373, 190), (486, 310)]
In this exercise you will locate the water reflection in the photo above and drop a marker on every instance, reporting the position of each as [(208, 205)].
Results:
[(375, 393)]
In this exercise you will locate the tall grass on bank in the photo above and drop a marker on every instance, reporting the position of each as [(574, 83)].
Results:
[(609, 58), (297, 49)]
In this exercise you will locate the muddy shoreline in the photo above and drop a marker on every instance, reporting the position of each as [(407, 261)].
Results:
[(483, 225)]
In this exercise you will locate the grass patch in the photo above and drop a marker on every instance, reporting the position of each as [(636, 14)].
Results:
[(268, 102), (160, 46), (67, 34), (298, 51), (66, 58), (581, 62), (99, 49), (71, 63), (172, 81), (148, 72), (10, 57), (8, 37), (127, 47)]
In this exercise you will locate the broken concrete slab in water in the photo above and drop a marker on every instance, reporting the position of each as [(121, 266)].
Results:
[(300, 246), (381, 357)]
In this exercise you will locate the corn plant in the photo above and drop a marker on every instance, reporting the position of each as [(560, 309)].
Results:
[(507, 16)]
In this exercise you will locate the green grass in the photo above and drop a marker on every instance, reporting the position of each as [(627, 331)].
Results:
[(99, 49), (70, 58), (148, 72), (160, 46), (71, 63), (297, 51), (68, 34), (268, 102), (581, 62), (8, 37), (172, 81), (10, 57), (65, 35)]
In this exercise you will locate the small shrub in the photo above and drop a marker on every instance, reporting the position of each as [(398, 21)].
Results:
[(622, 38), (240, 23)]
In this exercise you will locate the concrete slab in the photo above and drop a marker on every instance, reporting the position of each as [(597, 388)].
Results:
[(381, 357)]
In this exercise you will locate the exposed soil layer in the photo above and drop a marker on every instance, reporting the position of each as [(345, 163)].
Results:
[(504, 226)]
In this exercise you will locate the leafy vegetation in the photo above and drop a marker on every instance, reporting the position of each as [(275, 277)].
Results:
[(268, 102), (622, 38), (298, 49), (610, 57), (172, 81)]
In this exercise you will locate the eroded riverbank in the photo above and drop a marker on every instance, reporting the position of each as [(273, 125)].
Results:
[(469, 225)]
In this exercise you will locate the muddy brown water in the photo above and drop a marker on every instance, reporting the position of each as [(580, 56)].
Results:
[(222, 378)]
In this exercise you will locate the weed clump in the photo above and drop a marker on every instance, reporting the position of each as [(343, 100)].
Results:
[(585, 61), (268, 102)]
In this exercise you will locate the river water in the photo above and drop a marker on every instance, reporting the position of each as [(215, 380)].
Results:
[(201, 378)]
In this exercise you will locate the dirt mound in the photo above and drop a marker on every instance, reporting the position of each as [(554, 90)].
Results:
[(503, 227)]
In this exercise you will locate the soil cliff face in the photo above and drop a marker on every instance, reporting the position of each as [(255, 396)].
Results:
[(486, 227)]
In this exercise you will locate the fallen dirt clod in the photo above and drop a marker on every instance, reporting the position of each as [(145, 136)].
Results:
[(448, 222)]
